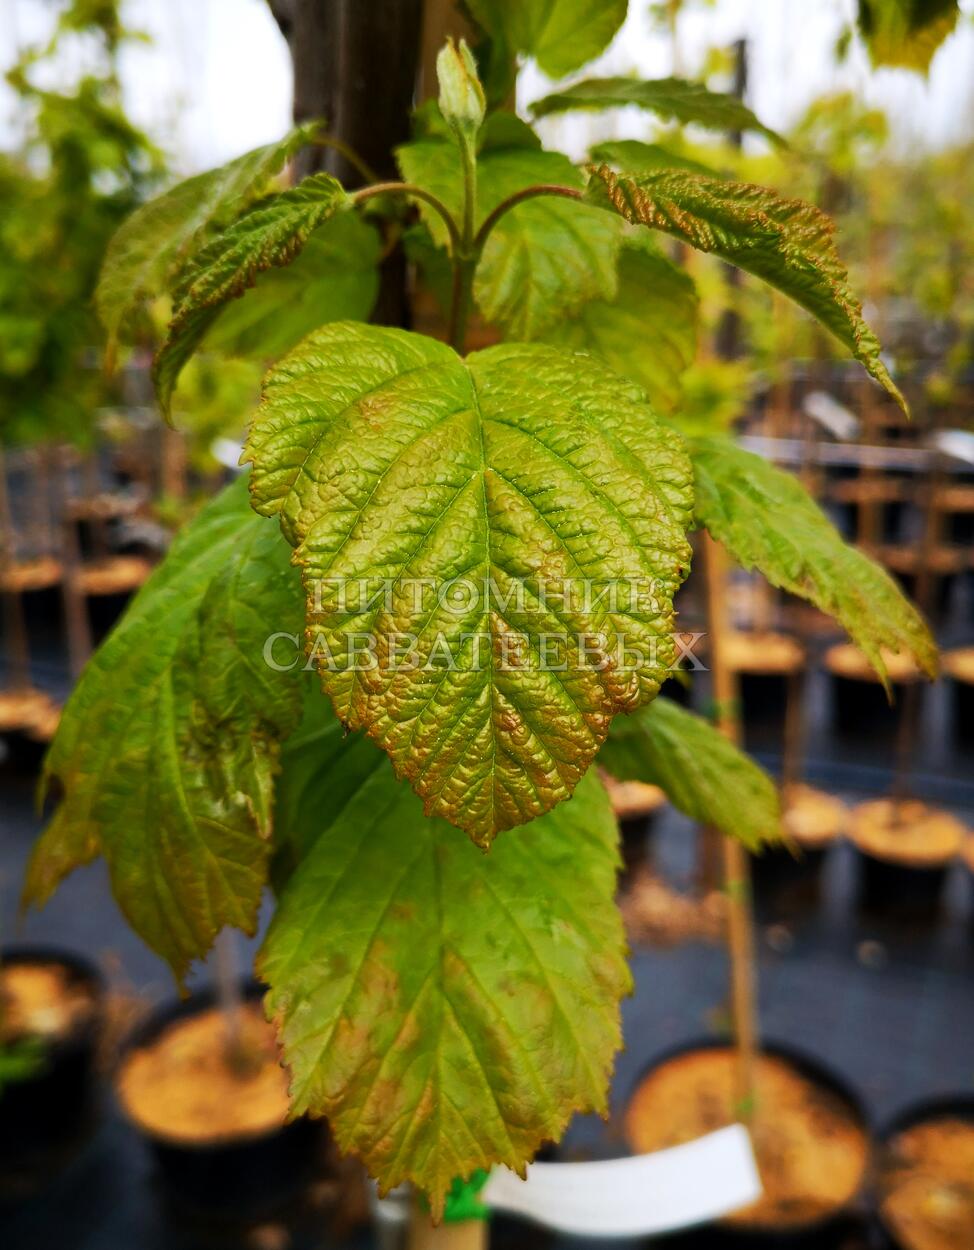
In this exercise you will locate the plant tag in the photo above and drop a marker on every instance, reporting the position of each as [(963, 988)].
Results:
[(636, 1196)]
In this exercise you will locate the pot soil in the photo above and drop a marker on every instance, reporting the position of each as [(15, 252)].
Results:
[(763, 661), (958, 667), (50, 1015), (860, 707), (810, 1139), (812, 822), (635, 805), (905, 849), (925, 1179), (216, 1121)]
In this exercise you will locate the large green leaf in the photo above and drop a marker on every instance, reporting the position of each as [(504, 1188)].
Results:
[(547, 256), (674, 99), (906, 33), (632, 156), (702, 773), (149, 247), (561, 35), (648, 332), (168, 746), (445, 1009), (335, 278), (268, 236), (787, 243), (767, 521), (520, 477)]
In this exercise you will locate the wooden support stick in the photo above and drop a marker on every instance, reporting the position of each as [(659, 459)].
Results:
[(736, 866), (14, 623)]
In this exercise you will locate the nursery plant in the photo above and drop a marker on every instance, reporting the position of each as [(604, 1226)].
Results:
[(378, 670)]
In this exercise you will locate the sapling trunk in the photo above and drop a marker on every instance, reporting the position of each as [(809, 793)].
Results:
[(736, 866), (464, 1235), (75, 610), (14, 624), (239, 1056)]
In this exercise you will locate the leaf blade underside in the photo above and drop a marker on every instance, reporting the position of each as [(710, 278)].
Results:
[(446, 1010), (766, 520), (513, 473)]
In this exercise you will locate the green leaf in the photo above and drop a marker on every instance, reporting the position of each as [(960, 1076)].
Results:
[(547, 256), (446, 1010), (702, 773), (787, 243), (168, 746), (648, 333), (673, 99), (149, 246), (561, 35), (632, 156), (268, 236), (767, 521), (906, 33), (518, 471), (335, 278)]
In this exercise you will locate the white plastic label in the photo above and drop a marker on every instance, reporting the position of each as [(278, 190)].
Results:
[(636, 1196)]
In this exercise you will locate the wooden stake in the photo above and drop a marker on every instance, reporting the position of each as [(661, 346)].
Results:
[(14, 623), (466, 1235), (75, 609), (736, 866)]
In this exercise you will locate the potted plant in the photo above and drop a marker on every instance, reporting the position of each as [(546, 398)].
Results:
[(443, 531)]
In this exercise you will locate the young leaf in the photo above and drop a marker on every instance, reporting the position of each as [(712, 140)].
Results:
[(561, 35), (523, 478), (148, 248), (787, 243), (446, 1010), (547, 256), (632, 156), (336, 278), (767, 521), (673, 99), (168, 745), (269, 235), (702, 773), (906, 33), (648, 333)]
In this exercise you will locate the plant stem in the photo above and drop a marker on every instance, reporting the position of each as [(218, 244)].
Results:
[(418, 193), (466, 1235), (737, 872), (505, 206)]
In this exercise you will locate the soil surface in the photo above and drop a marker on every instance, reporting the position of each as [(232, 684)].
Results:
[(812, 818), (812, 1152), (906, 832), (25, 709), (113, 575), (925, 1184), (959, 664), (41, 1000), (633, 798), (763, 652), (182, 1087), (846, 660)]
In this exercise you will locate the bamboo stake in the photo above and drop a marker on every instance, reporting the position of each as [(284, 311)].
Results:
[(14, 622), (75, 609), (736, 866)]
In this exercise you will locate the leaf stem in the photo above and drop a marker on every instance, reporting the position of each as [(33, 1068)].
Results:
[(505, 206), (409, 188)]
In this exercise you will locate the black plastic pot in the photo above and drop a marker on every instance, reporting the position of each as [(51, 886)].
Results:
[(860, 709), (901, 892), (962, 710), (237, 1181), (635, 837), (47, 1117), (955, 1106), (830, 1232), (789, 878), (764, 698)]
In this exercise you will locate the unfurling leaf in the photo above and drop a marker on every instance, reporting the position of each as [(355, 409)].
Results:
[(786, 243), (168, 746), (701, 772), (547, 256), (506, 531), (446, 1010), (269, 236), (648, 332), (767, 521), (146, 251), (561, 35), (673, 99), (906, 33)]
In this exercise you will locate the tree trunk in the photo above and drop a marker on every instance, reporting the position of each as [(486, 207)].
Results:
[(355, 66)]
